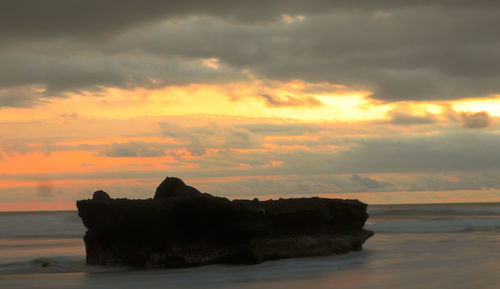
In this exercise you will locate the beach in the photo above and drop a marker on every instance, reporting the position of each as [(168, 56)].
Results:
[(415, 246)]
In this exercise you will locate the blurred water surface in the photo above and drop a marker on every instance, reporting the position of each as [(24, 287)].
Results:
[(415, 246)]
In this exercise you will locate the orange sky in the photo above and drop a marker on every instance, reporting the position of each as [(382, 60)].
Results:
[(250, 99), (226, 139)]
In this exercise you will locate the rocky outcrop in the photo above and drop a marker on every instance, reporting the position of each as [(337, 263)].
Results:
[(101, 195), (173, 187), (184, 227)]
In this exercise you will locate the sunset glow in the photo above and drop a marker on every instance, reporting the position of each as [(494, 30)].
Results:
[(249, 105)]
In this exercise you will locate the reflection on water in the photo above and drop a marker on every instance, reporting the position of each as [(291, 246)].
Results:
[(20, 249), (388, 261)]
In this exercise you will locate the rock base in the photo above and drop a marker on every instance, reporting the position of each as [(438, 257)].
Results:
[(193, 229)]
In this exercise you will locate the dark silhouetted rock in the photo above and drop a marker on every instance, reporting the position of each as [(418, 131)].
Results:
[(172, 187), (183, 227), (101, 195)]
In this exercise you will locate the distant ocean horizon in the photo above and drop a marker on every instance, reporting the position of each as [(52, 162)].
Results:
[(438, 245), (27, 211)]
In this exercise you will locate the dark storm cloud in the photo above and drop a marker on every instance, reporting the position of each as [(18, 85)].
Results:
[(52, 18), (400, 50), (59, 72), (74, 18), (422, 54)]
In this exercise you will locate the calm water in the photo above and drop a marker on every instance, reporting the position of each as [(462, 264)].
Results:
[(415, 246)]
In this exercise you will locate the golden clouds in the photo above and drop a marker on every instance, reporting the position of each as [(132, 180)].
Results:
[(296, 100), (490, 105), (289, 100), (270, 137)]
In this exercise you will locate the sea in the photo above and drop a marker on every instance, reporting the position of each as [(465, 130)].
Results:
[(415, 246)]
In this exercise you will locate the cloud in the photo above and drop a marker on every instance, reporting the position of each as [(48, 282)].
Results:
[(20, 96), (240, 138), (100, 18), (239, 147), (283, 129), (442, 153), (367, 182), (70, 18), (133, 149), (56, 73), (194, 145), (69, 115), (12, 147), (475, 120), (200, 138), (435, 52), (398, 118), (335, 149), (53, 18), (459, 160), (446, 152), (288, 100), (451, 182), (46, 146)]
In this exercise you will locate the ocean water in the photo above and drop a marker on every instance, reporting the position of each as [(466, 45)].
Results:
[(415, 246)]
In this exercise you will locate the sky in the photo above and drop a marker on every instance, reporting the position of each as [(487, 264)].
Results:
[(385, 101)]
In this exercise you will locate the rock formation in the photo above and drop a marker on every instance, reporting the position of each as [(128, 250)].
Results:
[(101, 195), (174, 187), (184, 227)]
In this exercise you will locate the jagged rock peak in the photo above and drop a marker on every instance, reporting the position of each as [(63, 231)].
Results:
[(173, 187), (101, 195)]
